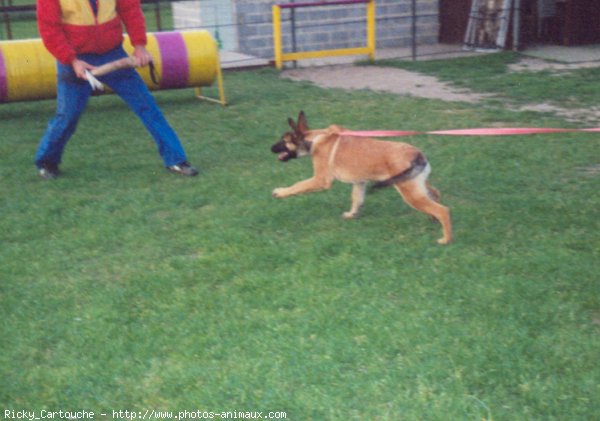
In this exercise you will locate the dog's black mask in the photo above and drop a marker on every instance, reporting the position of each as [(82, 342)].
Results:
[(285, 148), (292, 144)]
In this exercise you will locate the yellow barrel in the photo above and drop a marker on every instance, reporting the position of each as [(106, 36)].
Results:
[(181, 59)]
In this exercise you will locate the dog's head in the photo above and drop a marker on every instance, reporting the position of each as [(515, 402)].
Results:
[(293, 144)]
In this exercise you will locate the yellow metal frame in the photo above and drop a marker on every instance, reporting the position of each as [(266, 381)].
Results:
[(281, 57), (220, 86)]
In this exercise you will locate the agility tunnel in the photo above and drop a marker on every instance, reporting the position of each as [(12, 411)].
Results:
[(188, 59)]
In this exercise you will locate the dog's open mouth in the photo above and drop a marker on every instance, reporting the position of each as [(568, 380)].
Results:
[(283, 152), (285, 156)]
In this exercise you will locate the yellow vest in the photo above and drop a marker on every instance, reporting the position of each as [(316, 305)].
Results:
[(79, 12)]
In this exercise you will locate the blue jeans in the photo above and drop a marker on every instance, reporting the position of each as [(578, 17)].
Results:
[(74, 93)]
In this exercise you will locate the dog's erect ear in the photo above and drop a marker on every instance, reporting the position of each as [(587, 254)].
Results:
[(302, 123), (292, 124)]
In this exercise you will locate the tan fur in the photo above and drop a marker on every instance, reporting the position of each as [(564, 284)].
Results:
[(358, 160)]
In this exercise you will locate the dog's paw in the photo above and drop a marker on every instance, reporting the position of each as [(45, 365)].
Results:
[(350, 215), (278, 193), (444, 241)]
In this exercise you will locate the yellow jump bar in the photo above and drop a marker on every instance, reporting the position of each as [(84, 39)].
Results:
[(281, 57)]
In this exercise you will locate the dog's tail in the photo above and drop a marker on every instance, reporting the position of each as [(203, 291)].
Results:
[(417, 166)]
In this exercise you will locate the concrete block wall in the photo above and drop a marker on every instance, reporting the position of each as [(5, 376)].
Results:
[(186, 14), (216, 16), (333, 27)]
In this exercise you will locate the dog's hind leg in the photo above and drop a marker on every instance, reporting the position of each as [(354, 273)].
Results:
[(358, 198), (435, 195), (433, 192), (417, 194)]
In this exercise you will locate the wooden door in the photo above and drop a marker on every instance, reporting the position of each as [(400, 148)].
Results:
[(454, 17), (582, 22)]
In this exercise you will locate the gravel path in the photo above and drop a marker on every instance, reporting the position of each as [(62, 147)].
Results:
[(383, 79), (404, 82)]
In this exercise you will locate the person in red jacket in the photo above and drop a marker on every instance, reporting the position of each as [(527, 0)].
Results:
[(84, 34)]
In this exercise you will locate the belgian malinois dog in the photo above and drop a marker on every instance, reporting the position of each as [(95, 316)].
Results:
[(358, 160)]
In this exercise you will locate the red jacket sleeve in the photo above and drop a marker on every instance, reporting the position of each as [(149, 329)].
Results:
[(130, 12), (51, 30)]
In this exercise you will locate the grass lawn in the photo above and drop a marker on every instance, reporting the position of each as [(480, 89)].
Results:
[(123, 287)]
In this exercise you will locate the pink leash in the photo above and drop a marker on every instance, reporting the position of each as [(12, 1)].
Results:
[(465, 132)]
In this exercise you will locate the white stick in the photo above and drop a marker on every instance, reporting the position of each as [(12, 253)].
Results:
[(94, 83)]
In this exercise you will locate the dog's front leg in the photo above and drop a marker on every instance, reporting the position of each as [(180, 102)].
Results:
[(305, 186), (358, 198)]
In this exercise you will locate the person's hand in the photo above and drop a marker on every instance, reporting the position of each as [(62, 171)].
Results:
[(142, 56), (80, 66)]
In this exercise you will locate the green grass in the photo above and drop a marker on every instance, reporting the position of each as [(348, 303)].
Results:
[(124, 287)]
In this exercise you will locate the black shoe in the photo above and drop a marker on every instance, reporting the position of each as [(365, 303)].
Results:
[(49, 171), (183, 168)]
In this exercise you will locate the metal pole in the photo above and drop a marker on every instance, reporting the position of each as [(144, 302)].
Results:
[(371, 29), (293, 17), (516, 25), (157, 15), (414, 29), (277, 36), (7, 24), (1, 34)]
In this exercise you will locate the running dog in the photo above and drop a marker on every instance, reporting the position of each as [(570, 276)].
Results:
[(358, 160)]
